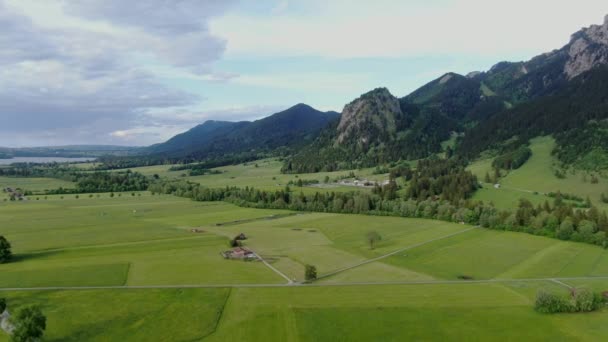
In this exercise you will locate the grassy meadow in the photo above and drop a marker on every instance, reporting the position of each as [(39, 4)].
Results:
[(472, 312), (146, 240), (262, 174), (35, 185), (536, 178)]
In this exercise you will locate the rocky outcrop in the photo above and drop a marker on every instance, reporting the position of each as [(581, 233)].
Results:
[(376, 111), (588, 48)]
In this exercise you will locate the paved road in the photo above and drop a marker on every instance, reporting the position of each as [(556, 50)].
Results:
[(428, 282)]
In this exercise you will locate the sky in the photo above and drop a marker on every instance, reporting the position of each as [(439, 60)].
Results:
[(138, 72)]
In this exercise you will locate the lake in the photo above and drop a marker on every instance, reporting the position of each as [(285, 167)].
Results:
[(42, 160)]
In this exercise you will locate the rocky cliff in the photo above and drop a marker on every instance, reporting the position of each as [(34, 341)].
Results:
[(372, 113), (588, 48)]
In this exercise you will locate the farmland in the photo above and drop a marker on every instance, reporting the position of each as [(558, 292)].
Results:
[(149, 275), (536, 178), (263, 174), (36, 185)]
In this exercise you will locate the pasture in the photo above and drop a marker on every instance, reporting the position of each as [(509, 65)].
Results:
[(35, 185), (456, 312), (536, 178), (263, 174), (409, 286)]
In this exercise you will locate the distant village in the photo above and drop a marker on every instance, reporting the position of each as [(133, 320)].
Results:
[(364, 183)]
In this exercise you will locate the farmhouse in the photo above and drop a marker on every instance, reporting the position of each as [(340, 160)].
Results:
[(241, 253)]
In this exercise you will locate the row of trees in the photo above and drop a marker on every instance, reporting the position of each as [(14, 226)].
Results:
[(560, 220), (86, 182), (513, 159)]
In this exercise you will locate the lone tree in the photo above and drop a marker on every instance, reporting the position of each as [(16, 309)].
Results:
[(373, 238), (30, 324), (2, 305), (5, 250), (310, 273)]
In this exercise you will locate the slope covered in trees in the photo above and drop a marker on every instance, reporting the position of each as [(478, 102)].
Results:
[(585, 98)]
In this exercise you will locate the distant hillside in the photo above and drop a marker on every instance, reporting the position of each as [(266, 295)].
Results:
[(553, 93), (292, 127), (196, 138)]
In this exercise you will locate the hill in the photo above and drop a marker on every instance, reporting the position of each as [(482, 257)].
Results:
[(285, 130), (196, 137), (375, 128)]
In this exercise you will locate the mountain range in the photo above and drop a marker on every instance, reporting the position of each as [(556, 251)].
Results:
[(560, 92)]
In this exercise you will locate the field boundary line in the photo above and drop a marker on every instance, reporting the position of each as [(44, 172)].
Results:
[(211, 286), (392, 253), (220, 315)]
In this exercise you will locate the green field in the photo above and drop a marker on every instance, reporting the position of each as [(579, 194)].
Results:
[(35, 185), (262, 174), (477, 312), (536, 178), (132, 241)]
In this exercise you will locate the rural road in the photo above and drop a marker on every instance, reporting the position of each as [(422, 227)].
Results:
[(428, 282)]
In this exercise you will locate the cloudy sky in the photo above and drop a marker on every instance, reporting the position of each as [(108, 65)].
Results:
[(137, 72)]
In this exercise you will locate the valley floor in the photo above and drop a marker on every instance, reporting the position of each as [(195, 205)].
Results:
[(131, 268)]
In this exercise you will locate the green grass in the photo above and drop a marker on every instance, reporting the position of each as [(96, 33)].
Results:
[(125, 315), (35, 185), (266, 176), (122, 240), (508, 199), (146, 240), (479, 312), (536, 178)]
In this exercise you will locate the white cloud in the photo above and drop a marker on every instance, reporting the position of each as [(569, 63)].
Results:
[(349, 29), (72, 66)]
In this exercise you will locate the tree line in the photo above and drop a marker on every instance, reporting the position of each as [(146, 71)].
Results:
[(86, 182), (558, 220)]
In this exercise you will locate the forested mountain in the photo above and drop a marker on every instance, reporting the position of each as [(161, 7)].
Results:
[(285, 130), (375, 128), (197, 137), (555, 93)]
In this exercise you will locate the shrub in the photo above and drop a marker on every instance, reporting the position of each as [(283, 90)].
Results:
[(580, 300), (584, 300), (551, 303)]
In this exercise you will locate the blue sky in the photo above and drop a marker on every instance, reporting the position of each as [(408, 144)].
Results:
[(138, 72)]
